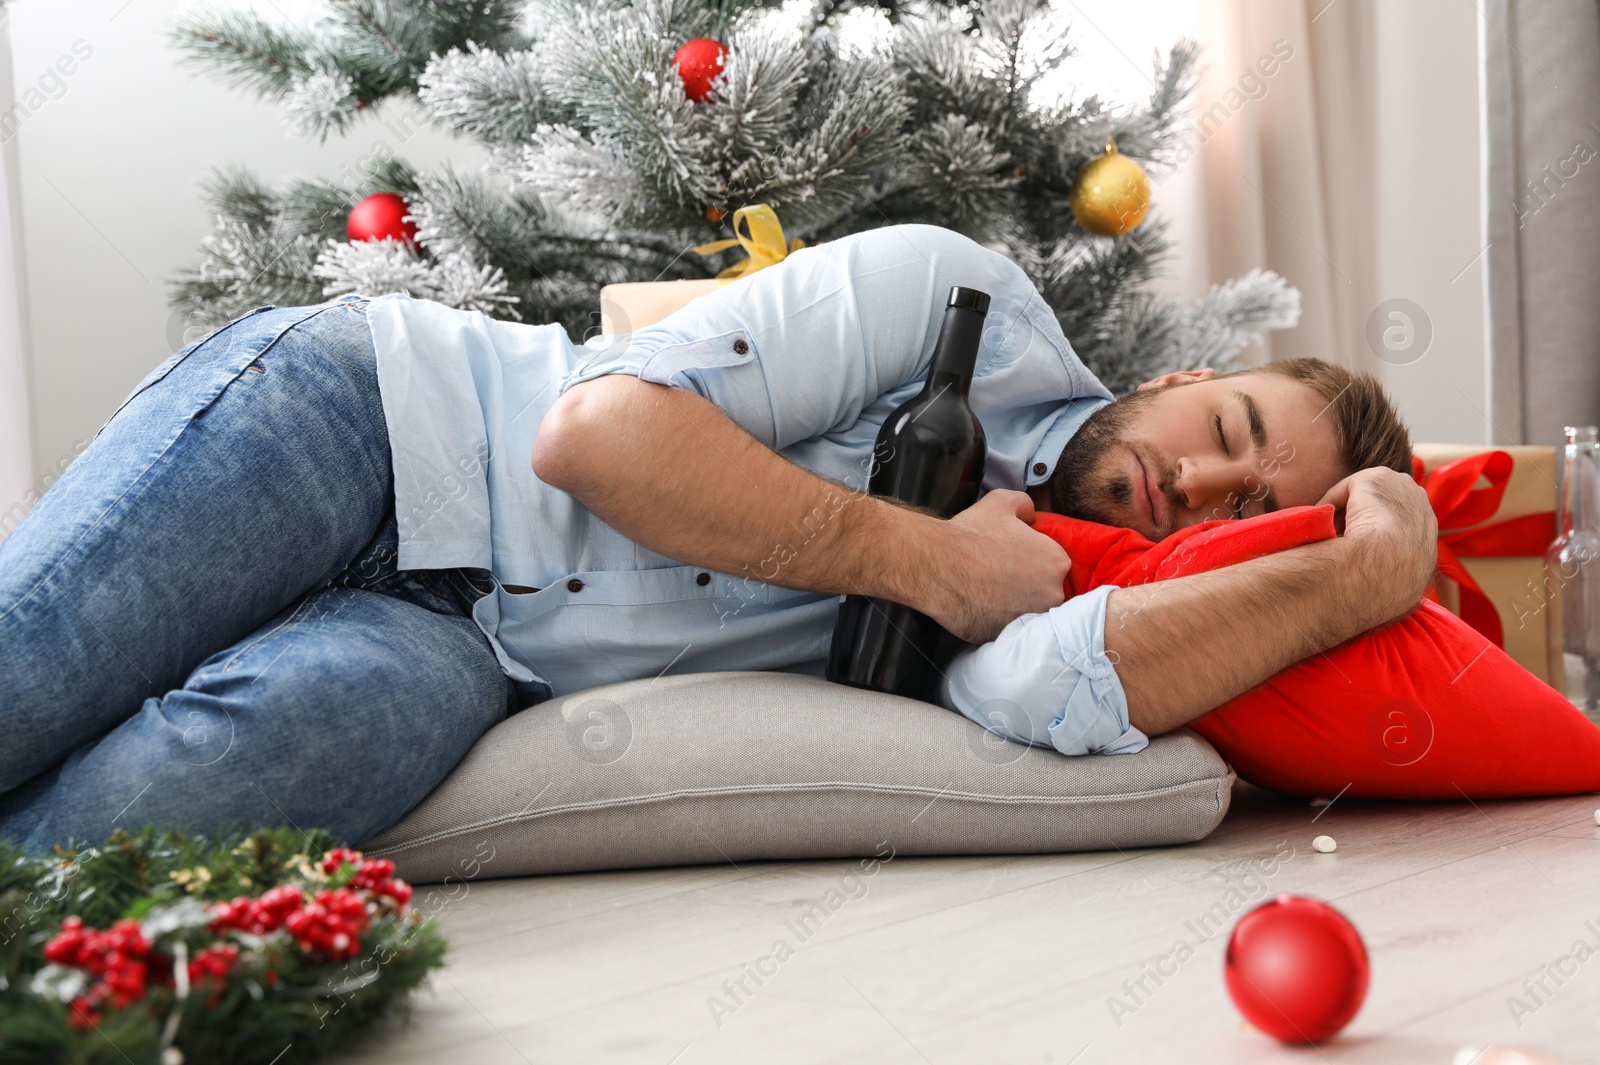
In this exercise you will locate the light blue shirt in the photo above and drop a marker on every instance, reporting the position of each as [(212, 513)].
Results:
[(809, 357)]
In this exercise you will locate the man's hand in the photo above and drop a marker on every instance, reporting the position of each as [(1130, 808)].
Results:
[(993, 568), (1185, 646), (1385, 516)]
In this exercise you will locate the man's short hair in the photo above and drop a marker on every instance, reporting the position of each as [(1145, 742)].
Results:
[(1364, 417)]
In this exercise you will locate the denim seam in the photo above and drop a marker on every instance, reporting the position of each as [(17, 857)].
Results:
[(171, 363), (69, 553), (279, 335)]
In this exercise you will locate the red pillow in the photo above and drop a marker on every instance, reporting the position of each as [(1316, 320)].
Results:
[(1422, 708)]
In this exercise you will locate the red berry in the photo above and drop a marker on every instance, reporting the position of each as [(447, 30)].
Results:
[(337, 857), (213, 965), (330, 924), (84, 1014), (67, 947)]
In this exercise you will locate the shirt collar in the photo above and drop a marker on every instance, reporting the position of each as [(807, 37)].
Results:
[(1070, 419)]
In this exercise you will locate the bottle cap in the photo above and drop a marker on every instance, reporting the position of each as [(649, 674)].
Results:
[(969, 299)]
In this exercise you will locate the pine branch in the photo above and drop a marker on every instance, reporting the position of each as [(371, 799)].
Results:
[(1135, 339), (612, 68), (248, 52), (1079, 278), (363, 52), (958, 166), (235, 193), (242, 267), (1234, 313), (466, 216), (492, 97)]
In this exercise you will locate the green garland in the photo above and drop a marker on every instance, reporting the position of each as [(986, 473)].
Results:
[(303, 987)]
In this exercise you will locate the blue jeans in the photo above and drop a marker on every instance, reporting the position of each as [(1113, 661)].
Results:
[(202, 624)]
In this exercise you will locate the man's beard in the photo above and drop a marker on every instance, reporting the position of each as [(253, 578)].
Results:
[(1079, 490)]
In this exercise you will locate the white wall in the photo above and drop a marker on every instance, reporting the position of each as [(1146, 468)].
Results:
[(110, 165)]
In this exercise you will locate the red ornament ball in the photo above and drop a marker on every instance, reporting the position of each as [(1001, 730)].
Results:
[(1297, 969), (699, 62), (381, 216)]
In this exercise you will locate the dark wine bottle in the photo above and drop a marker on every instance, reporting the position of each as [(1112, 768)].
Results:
[(929, 453)]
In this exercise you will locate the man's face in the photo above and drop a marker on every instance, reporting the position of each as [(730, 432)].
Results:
[(1188, 448)]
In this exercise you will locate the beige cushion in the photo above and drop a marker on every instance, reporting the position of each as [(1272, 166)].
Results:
[(717, 767)]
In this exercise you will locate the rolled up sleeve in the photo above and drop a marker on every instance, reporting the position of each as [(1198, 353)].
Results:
[(1046, 681)]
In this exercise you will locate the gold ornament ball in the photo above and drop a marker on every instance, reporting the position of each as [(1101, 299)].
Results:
[(1111, 194)]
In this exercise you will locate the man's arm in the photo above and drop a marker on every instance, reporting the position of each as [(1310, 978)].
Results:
[(669, 470), (1157, 656), (1185, 646)]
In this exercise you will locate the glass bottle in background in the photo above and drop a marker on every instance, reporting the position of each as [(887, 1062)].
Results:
[(1572, 576)]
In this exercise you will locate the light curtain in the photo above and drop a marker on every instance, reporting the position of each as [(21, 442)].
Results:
[(1283, 127)]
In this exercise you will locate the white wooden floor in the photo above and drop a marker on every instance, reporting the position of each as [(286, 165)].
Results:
[(1018, 959)]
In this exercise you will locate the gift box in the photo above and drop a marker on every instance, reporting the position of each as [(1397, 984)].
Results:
[(635, 304), (1496, 513)]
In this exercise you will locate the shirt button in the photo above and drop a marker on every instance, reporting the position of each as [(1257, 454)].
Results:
[(574, 585), (703, 579), (740, 347), (1040, 468)]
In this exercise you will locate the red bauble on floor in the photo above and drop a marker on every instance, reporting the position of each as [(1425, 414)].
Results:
[(1297, 969), (381, 216)]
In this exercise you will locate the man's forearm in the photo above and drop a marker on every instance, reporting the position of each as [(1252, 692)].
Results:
[(1183, 647), (682, 479)]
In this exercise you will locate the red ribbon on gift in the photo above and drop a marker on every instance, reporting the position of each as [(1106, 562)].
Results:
[(1461, 508)]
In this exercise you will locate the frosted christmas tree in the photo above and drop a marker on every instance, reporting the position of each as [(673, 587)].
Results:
[(621, 134)]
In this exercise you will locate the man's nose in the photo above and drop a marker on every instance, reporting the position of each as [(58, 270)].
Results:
[(1206, 487)]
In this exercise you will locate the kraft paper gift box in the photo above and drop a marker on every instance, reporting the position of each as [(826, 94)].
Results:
[(1496, 511), (636, 304), (633, 305)]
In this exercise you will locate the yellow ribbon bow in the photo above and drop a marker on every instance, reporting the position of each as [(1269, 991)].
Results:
[(764, 243)]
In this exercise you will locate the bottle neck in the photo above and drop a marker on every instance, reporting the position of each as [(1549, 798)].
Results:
[(1580, 489), (956, 354)]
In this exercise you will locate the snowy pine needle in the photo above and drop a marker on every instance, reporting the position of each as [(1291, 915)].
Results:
[(320, 103), (372, 268), (1234, 313), (379, 267), (482, 94)]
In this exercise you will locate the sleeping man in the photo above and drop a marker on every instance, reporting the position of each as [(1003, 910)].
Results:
[(314, 556)]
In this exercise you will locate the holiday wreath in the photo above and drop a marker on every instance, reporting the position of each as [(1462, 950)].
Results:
[(162, 949)]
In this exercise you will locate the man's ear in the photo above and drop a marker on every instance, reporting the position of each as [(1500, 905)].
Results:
[(1182, 377)]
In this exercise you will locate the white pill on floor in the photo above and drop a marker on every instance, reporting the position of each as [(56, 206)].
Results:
[(1323, 844), (1597, 817)]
